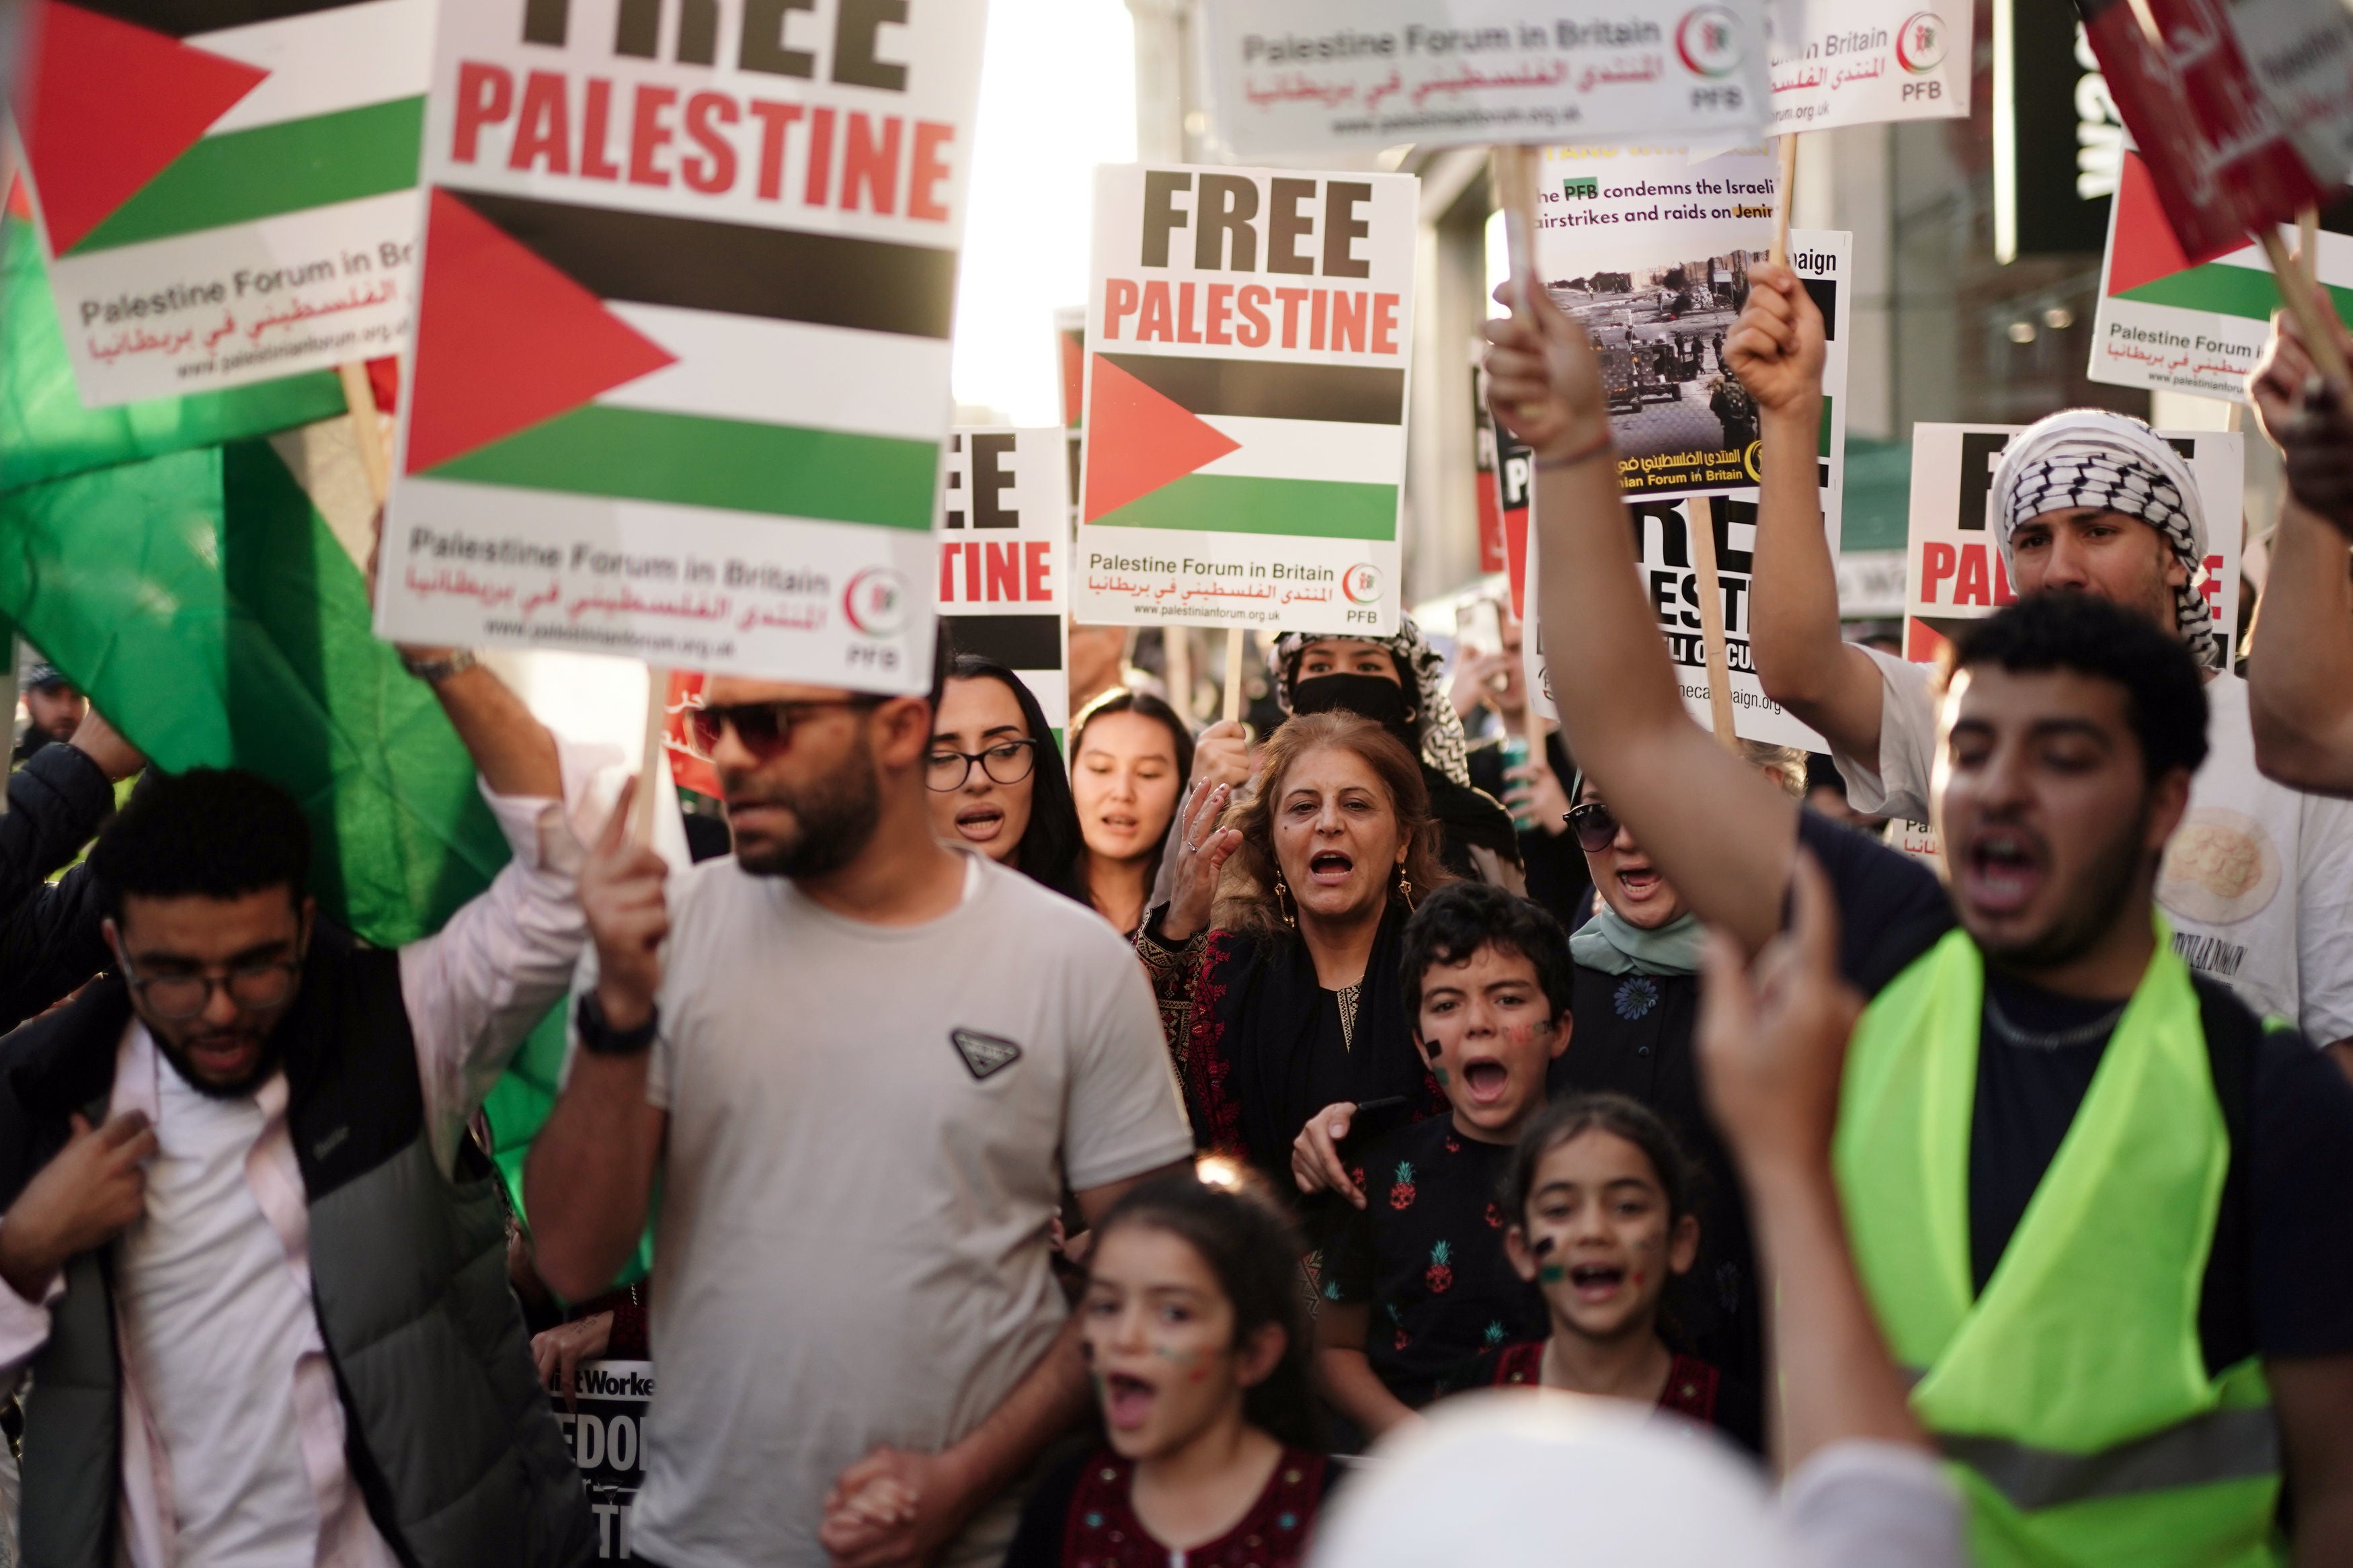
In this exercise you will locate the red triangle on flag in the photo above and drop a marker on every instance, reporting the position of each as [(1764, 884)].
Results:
[(110, 106), (2145, 249), (1138, 439), (504, 341)]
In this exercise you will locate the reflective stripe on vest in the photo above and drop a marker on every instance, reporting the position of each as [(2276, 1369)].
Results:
[(2072, 1391)]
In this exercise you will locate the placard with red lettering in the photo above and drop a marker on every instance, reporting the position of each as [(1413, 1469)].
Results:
[(1248, 344), (1324, 76), (1004, 543), (1953, 569), (1862, 62), (225, 192), (681, 369)]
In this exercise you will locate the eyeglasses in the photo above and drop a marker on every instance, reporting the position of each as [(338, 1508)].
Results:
[(1006, 762), (1594, 827), (255, 988), (763, 729)]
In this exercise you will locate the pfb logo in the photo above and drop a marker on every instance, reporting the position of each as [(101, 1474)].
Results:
[(1920, 43), (1361, 582), (1709, 40), (875, 603)]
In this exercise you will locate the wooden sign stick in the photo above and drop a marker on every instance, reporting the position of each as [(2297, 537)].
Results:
[(1514, 170), (1711, 619), (2315, 315), (366, 429), (653, 765), (1784, 193), (1233, 709)]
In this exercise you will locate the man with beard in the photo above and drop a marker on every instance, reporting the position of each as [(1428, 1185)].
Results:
[(2258, 883), (2097, 1206), (250, 1258), (864, 1067), (53, 707)]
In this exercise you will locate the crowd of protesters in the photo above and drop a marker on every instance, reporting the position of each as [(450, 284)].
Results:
[(1093, 1162)]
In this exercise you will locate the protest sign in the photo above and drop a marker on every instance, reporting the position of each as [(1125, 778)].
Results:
[(1312, 76), (224, 200), (1004, 533), (1650, 250), (621, 250), (1664, 535), (1953, 569), (2165, 322), (1248, 343), (1859, 62), (605, 1427)]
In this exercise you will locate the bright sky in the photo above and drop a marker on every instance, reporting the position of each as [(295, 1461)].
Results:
[(1056, 97)]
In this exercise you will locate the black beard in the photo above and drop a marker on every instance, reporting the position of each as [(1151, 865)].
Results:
[(273, 1052), (2109, 885), (837, 815)]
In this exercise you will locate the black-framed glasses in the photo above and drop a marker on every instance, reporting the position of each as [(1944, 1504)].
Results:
[(176, 998), (763, 729), (1595, 825), (1005, 762)]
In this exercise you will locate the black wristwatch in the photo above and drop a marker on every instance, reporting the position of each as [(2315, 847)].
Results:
[(598, 1036)]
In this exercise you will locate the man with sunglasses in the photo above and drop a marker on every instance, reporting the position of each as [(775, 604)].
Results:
[(863, 1066), (250, 1257), (2097, 1204)]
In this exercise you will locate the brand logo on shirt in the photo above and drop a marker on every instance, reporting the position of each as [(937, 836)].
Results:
[(985, 1055)]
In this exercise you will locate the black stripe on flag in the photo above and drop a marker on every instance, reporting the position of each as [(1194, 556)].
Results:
[(1016, 642), (695, 264), (181, 18), (1257, 389)]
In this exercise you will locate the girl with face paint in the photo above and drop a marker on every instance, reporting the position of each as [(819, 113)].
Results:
[(1195, 1341), (1600, 1203)]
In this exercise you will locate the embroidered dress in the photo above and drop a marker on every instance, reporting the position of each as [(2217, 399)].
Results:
[(1083, 1516), (1691, 1389)]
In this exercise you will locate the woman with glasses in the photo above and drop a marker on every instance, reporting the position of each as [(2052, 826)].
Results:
[(1131, 759), (1636, 997), (997, 779), (1276, 957)]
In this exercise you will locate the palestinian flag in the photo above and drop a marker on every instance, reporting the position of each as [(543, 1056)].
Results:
[(2166, 322), (638, 356), (203, 165), (1244, 446)]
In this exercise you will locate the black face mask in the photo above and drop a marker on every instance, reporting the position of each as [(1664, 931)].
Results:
[(1374, 697)]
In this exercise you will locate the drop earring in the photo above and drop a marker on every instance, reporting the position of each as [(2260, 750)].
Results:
[(1405, 886), (1282, 894)]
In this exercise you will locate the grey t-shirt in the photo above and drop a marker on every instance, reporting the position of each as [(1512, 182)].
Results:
[(869, 1128)]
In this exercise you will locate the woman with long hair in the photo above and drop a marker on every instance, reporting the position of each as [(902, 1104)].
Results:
[(1276, 956), (1131, 759), (996, 778)]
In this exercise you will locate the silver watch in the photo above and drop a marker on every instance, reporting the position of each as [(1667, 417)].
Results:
[(434, 671)]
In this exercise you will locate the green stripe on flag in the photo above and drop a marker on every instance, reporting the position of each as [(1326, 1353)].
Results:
[(2224, 290), (1230, 503), (44, 432), (291, 167), (684, 460)]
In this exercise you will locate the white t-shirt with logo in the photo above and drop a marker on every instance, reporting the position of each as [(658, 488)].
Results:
[(2257, 881), (869, 1128)]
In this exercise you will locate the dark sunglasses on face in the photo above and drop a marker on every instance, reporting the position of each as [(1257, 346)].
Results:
[(1595, 828), (763, 729)]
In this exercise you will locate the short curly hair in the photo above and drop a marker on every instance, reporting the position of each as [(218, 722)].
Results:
[(207, 833)]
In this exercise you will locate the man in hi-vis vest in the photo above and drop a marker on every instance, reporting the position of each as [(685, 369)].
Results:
[(2101, 1210)]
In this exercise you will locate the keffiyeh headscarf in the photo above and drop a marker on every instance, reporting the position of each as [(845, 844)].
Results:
[(1418, 665), (2089, 457)]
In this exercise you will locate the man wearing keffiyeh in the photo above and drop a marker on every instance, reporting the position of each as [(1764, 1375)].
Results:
[(2257, 882)]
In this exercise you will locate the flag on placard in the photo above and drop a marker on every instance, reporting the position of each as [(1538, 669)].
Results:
[(229, 187), (1258, 446), (2166, 322)]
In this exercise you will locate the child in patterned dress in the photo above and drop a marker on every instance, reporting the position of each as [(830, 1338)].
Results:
[(1195, 1338)]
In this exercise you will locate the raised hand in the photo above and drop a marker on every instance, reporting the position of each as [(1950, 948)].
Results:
[(1201, 848), (1776, 346), (102, 744), (622, 893), (1544, 380), (84, 1197), (1221, 755), (2307, 419)]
